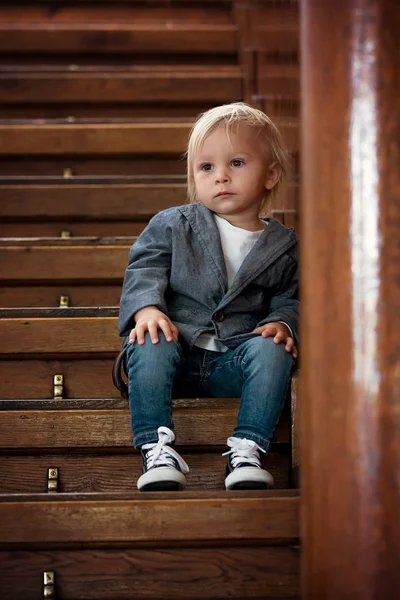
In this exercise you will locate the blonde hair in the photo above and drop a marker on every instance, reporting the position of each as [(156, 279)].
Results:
[(232, 115)]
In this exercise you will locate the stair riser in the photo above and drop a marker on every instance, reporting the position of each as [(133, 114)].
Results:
[(115, 473), (164, 574), (112, 429)]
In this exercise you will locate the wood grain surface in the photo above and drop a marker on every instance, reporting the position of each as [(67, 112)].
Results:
[(217, 84), (221, 516), (350, 232), (128, 574), (116, 472), (91, 428), (108, 201)]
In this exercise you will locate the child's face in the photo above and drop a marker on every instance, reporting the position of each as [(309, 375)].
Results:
[(232, 173)]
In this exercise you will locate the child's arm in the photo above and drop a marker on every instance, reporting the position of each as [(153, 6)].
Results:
[(151, 319), (147, 275), (283, 318)]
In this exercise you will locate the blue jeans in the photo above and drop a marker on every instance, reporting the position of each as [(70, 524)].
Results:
[(258, 370)]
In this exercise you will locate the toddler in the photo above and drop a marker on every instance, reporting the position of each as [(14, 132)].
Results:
[(209, 303)]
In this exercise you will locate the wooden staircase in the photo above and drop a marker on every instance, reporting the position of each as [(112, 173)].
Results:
[(96, 104)]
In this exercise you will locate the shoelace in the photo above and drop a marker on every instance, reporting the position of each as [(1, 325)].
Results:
[(244, 450), (162, 454)]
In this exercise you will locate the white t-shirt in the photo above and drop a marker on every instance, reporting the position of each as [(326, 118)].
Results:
[(236, 244)]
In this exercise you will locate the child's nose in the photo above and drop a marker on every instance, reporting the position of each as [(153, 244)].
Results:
[(221, 177)]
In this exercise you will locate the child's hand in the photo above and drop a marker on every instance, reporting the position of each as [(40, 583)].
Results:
[(151, 319), (280, 333)]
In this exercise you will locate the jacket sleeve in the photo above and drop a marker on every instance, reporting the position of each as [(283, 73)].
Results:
[(284, 305), (147, 275)]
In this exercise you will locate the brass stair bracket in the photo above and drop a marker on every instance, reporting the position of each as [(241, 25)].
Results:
[(64, 302), (52, 480), (67, 173), (49, 585), (58, 391), (65, 233)]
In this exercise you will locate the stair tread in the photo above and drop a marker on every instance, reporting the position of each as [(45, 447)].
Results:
[(118, 38), (88, 180), (63, 519), (64, 313), (108, 404), (157, 70), (69, 241), (115, 497)]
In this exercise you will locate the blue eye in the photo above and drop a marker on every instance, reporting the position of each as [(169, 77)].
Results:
[(206, 167), (237, 162)]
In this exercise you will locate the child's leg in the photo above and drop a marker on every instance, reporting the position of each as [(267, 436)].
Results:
[(260, 372), (151, 369)]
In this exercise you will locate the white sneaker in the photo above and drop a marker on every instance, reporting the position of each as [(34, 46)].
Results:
[(244, 470), (163, 468)]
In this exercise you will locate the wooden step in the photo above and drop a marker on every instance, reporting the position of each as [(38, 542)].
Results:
[(63, 520), (158, 138), (115, 471), (84, 208), (100, 207), (110, 92), (64, 259), (121, 11), (108, 148), (91, 166), (161, 84), (206, 422), (117, 38), (198, 545), (77, 331), (155, 138), (15, 296), (53, 271), (67, 271), (206, 573)]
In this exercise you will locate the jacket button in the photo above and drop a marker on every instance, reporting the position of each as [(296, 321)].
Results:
[(219, 316)]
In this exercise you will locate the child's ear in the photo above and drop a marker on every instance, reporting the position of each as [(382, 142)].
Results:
[(273, 175)]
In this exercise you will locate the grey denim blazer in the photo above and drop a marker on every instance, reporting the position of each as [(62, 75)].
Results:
[(177, 264)]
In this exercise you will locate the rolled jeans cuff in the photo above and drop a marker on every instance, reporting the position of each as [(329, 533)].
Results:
[(147, 437), (264, 443)]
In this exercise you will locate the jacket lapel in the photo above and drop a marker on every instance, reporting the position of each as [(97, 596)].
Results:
[(203, 224), (275, 240)]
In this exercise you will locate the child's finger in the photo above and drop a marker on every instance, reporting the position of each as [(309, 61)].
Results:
[(289, 344), (140, 330), (152, 327), (259, 329), (269, 331), (166, 329), (132, 336), (280, 337)]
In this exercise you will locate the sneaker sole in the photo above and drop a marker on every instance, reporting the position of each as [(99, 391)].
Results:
[(249, 479), (249, 485), (161, 480), (162, 486)]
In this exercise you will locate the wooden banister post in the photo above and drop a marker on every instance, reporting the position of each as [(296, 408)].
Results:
[(350, 235)]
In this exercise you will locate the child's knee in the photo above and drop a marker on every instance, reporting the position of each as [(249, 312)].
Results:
[(150, 352), (266, 350)]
